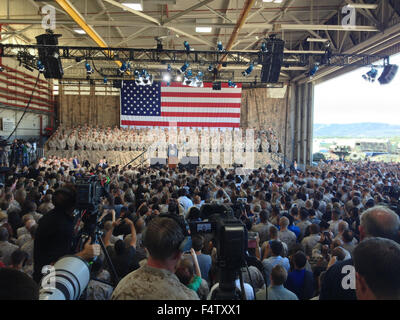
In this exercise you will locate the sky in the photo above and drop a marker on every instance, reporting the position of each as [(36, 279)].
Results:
[(351, 99)]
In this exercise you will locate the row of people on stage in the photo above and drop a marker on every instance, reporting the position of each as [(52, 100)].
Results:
[(138, 139)]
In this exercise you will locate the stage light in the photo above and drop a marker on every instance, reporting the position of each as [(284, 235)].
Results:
[(178, 78), (264, 47), (210, 68), (248, 71), (147, 79), (313, 70), (184, 67), (40, 66), (187, 46), (89, 69), (105, 80), (1, 69), (371, 75), (167, 77), (169, 68), (198, 80), (220, 47), (186, 81), (123, 68), (189, 73), (232, 84)]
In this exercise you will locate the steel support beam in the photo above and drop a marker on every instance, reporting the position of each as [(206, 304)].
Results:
[(138, 13), (242, 19), (188, 10)]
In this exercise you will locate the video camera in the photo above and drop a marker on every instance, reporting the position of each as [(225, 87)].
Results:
[(230, 238), (90, 190)]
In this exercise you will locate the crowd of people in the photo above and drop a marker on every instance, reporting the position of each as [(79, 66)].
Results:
[(20, 152), (137, 139), (307, 230)]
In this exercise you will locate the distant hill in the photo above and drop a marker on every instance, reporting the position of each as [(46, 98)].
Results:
[(357, 130)]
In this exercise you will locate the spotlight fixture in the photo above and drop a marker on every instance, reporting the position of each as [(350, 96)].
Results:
[(189, 73), (178, 78), (264, 47), (187, 46), (220, 47), (169, 68), (371, 75), (89, 69), (184, 67), (125, 67), (232, 84), (186, 81), (143, 78), (1, 69), (146, 78), (105, 80), (198, 80), (40, 66), (248, 71), (313, 70), (210, 68)]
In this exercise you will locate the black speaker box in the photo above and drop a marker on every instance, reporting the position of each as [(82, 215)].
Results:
[(157, 162), (388, 74), (50, 57), (216, 86), (271, 60)]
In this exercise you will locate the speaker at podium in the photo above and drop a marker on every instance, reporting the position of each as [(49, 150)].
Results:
[(172, 151)]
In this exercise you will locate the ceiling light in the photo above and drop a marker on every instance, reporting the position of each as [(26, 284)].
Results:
[(80, 31), (135, 5), (316, 40), (204, 29)]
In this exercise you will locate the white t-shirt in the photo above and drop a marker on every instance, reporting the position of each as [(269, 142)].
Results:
[(247, 289)]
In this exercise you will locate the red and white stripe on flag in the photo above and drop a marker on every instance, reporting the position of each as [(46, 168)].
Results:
[(185, 106)]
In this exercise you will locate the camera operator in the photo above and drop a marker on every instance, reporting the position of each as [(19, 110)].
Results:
[(54, 237), (156, 280)]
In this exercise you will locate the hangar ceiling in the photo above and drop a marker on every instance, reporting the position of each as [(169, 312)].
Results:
[(238, 24)]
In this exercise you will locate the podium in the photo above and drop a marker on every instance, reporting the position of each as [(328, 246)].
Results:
[(173, 159)]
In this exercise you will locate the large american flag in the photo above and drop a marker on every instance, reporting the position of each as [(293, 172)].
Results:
[(160, 105)]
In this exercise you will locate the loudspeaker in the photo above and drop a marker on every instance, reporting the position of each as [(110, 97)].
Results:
[(271, 60), (190, 161), (216, 86), (50, 57), (388, 74), (117, 84), (157, 162)]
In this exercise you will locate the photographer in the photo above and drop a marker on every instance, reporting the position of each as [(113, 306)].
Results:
[(156, 280), (123, 257), (54, 237)]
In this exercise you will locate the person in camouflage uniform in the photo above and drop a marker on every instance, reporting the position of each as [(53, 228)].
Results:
[(156, 280)]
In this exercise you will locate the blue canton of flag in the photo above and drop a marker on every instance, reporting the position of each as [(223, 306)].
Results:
[(140, 100)]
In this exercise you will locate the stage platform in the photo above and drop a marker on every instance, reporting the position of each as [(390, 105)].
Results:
[(261, 159)]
